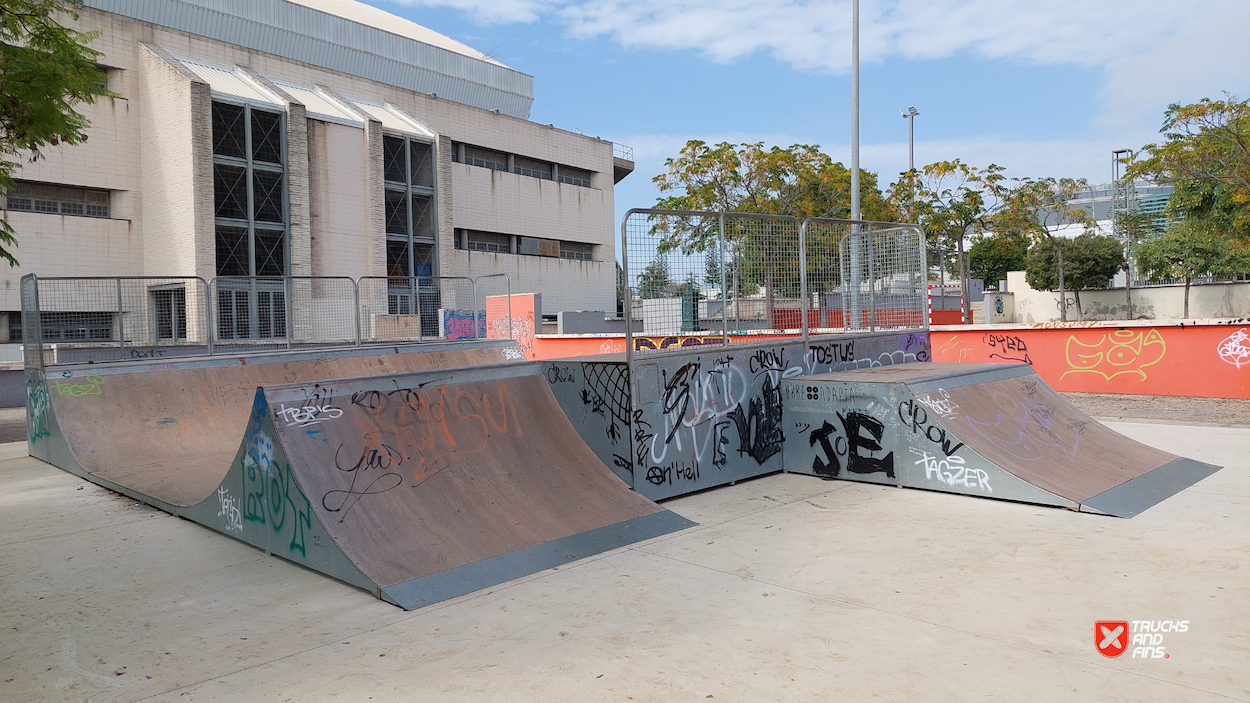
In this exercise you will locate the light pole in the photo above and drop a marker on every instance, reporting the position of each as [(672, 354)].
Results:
[(910, 115)]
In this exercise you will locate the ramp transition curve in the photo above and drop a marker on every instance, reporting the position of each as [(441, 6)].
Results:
[(992, 430)]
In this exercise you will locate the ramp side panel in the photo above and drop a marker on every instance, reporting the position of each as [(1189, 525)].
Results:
[(1029, 430), (415, 475), (594, 395), (260, 502), (879, 433)]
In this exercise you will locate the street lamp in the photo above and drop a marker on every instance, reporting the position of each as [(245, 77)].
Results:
[(910, 115)]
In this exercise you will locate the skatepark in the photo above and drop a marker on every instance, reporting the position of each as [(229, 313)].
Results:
[(511, 506)]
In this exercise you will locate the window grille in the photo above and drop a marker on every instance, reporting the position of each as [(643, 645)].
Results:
[(574, 176), (490, 242), (531, 167), (577, 251), (27, 196), (486, 158)]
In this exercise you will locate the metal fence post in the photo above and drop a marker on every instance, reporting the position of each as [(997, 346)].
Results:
[(803, 321), (208, 313), (724, 292), (872, 287), (356, 306), (924, 274), (628, 301), (121, 321)]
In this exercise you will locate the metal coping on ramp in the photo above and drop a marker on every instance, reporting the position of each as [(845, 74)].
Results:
[(990, 430)]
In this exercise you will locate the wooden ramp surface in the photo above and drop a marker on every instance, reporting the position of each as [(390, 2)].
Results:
[(423, 481), (170, 433)]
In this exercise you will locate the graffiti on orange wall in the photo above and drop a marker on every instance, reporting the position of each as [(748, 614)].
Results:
[(1123, 352), (668, 342), (1235, 349)]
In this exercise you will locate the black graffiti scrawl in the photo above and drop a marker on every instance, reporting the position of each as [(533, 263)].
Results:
[(853, 426), (759, 427)]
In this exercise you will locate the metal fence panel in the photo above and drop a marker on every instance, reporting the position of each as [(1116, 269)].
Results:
[(413, 308), (75, 320), (736, 276), (883, 277), (822, 241)]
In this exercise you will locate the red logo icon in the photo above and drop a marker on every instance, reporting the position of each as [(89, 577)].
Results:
[(1111, 637)]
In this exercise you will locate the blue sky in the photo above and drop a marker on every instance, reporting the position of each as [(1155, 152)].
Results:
[(1041, 87)]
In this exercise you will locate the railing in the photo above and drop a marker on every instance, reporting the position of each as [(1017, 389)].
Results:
[(733, 278), (68, 320), (622, 151)]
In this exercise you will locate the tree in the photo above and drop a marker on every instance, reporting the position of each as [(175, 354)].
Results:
[(1039, 209), (45, 71), (1091, 261), (951, 201), (799, 180), (990, 258), (1132, 229), (1206, 153), (1189, 250), (654, 280)]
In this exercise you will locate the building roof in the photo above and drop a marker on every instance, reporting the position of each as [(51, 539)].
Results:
[(347, 37)]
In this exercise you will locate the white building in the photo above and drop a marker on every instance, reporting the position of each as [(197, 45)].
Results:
[(311, 138)]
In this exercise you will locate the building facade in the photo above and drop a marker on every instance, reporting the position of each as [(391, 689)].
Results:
[(314, 138)]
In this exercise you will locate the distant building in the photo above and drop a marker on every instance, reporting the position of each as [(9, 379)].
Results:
[(1152, 199), (313, 138)]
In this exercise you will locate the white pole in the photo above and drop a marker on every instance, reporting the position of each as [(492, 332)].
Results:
[(855, 109)]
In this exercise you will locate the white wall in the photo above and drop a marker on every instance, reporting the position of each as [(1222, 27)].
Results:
[(1214, 300)]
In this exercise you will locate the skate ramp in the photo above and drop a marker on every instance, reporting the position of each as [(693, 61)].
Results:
[(168, 432), (435, 485), (993, 430)]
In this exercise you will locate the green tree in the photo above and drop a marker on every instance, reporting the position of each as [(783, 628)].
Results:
[(46, 70), (799, 180), (1090, 260), (990, 258), (952, 200), (1206, 154), (1040, 210), (654, 279), (1189, 250)]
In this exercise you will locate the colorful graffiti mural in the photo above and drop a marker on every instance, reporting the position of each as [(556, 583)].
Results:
[(1163, 359)]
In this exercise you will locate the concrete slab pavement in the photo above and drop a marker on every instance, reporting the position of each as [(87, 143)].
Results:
[(791, 589)]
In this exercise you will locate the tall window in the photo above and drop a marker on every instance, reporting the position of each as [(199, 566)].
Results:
[(250, 201), (411, 230)]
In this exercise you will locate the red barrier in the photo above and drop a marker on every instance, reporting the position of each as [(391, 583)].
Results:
[(1209, 360)]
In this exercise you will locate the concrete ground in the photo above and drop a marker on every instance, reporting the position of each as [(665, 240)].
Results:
[(791, 589)]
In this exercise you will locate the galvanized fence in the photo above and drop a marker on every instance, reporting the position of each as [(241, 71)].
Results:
[(128, 318), (737, 278)]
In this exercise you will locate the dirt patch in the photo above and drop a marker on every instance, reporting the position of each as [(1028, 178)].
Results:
[(1163, 409)]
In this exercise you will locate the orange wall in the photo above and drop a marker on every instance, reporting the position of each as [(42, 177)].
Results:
[(554, 347), (1210, 361)]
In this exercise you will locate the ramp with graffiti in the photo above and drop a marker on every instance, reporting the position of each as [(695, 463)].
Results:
[(415, 486), (991, 430)]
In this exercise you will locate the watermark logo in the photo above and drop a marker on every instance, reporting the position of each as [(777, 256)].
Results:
[(1111, 637), (1143, 637)]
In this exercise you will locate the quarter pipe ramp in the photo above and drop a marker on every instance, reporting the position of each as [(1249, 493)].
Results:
[(992, 430)]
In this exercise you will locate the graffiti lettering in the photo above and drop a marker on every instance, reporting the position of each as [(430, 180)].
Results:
[(306, 415), (916, 340), (914, 416), (93, 386), (270, 494), (759, 428), (941, 405), (832, 353), (1007, 347), (768, 360), (38, 408), (1119, 353), (229, 510), (952, 471), (674, 471), (559, 373), (146, 354), (857, 462), (464, 326), (641, 343), (1235, 349)]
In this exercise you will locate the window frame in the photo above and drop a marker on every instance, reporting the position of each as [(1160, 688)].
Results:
[(250, 166), (84, 202), (409, 190)]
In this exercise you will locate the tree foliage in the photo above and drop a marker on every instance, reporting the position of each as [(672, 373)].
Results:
[(1205, 152), (46, 70), (990, 258), (1189, 250), (951, 201), (654, 281), (1090, 261)]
